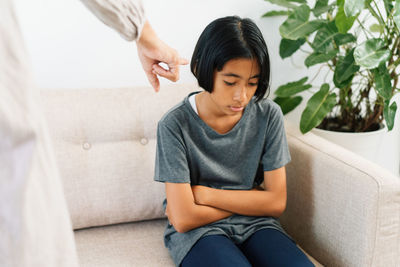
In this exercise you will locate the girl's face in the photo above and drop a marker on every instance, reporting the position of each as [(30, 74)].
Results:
[(235, 85)]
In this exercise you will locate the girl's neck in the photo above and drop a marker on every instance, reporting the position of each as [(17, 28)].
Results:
[(210, 113)]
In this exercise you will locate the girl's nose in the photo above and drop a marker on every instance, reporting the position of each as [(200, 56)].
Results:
[(240, 94)]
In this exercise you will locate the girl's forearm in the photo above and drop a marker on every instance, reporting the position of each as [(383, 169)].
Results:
[(183, 212), (244, 202), (198, 216)]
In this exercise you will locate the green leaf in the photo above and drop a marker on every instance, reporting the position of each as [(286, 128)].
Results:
[(345, 69), (283, 3), (288, 104), (288, 47), (343, 23), (299, 1), (292, 88), (297, 25), (371, 53), (321, 7), (274, 13), (316, 58), (353, 7), (383, 83), (396, 14), (344, 38), (376, 28), (319, 105), (389, 113), (324, 37)]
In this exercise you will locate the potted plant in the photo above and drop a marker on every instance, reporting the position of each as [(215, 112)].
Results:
[(356, 43)]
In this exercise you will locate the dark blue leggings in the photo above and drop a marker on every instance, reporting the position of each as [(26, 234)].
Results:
[(266, 247)]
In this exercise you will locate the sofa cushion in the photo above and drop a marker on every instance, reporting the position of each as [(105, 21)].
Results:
[(128, 244), (104, 142)]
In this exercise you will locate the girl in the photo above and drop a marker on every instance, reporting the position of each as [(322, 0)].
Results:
[(216, 148)]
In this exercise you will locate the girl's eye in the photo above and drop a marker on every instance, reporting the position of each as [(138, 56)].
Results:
[(253, 84), (229, 84)]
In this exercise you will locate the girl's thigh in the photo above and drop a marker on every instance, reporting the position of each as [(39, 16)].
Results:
[(270, 247), (215, 250)]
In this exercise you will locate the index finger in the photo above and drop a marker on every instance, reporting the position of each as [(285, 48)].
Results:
[(183, 61)]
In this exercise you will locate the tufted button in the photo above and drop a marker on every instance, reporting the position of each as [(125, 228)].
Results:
[(144, 141), (86, 146)]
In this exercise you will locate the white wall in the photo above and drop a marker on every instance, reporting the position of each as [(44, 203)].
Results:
[(71, 48)]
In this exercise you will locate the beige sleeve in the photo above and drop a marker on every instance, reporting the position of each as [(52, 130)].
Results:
[(125, 16)]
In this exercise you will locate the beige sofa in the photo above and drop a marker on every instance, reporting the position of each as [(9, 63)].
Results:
[(342, 209)]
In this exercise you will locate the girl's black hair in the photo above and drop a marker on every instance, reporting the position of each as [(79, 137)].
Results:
[(225, 39)]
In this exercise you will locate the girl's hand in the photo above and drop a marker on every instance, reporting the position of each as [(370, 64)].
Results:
[(200, 194)]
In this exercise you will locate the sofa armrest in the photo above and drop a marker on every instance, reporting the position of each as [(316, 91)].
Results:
[(342, 209)]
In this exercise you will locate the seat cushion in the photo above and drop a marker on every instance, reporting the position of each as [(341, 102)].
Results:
[(128, 244)]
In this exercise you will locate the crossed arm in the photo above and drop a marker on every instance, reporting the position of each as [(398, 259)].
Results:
[(191, 207)]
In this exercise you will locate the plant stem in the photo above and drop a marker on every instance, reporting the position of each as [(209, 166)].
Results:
[(305, 51), (364, 94), (373, 118), (366, 32), (379, 17), (394, 64), (393, 26), (326, 75), (395, 45), (315, 76), (379, 11)]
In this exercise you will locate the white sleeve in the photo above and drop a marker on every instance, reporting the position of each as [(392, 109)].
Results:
[(125, 16)]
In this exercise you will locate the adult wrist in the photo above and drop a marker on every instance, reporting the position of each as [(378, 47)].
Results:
[(147, 35)]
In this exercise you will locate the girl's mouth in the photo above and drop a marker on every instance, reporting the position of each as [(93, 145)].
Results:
[(236, 109)]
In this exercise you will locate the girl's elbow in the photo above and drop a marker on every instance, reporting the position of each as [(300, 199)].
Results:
[(183, 219), (279, 207), (180, 223), (282, 207), (182, 226)]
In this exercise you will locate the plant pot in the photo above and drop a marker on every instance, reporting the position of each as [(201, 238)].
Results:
[(366, 144)]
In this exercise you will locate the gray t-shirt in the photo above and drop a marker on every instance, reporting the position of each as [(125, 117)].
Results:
[(189, 151)]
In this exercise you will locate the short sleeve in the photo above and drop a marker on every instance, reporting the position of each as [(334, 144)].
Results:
[(171, 160), (276, 151)]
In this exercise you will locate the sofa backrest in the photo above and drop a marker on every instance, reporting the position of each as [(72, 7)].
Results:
[(104, 141)]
